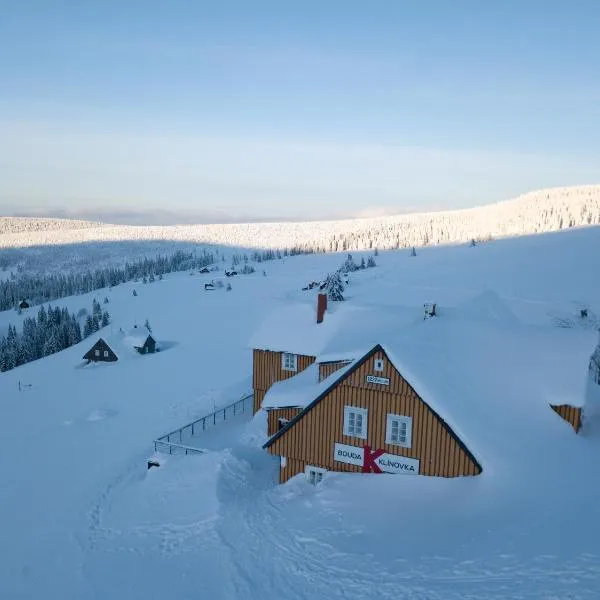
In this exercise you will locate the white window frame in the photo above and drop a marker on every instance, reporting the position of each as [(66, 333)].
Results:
[(314, 475), (106, 354), (402, 419), (289, 362), (356, 410), (97, 352), (378, 365)]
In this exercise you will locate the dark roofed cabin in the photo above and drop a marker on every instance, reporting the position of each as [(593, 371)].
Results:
[(100, 352), (148, 347), (23, 304)]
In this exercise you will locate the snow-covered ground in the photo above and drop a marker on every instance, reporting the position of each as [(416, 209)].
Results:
[(81, 517)]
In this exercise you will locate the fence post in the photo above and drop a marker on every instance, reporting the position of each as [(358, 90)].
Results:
[(203, 423), (180, 434), (193, 428), (234, 408)]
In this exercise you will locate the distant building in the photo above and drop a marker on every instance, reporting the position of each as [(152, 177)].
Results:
[(100, 352), (141, 340), (23, 304), (204, 270)]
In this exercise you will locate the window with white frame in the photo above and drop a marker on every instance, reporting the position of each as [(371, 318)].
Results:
[(314, 475), (289, 362), (399, 430), (355, 421), (106, 354), (379, 365), (96, 352)]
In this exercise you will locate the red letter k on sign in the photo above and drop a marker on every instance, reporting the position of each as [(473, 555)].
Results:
[(369, 464)]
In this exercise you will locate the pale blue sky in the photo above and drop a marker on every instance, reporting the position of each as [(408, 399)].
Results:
[(304, 109)]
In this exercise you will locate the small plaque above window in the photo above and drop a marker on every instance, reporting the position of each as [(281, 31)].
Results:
[(378, 380)]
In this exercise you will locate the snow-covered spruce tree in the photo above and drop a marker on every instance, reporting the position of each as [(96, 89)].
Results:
[(349, 265), (147, 325), (88, 327), (362, 263), (371, 262), (334, 287), (413, 251), (105, 319), (228, 288), (134, 293)]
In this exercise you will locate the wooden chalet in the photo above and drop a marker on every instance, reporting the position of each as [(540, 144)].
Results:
[(100, 352), (383, 391), (24, 304)]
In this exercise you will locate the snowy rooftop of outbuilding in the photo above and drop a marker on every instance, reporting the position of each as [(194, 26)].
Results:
[(136, 337), (489, 377)]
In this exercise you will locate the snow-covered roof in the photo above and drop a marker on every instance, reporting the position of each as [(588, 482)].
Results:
[(300, 390), (345, 328), (136, 337), (491, 379)]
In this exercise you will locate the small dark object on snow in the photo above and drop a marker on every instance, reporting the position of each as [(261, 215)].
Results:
[(429, 310), (231, 273), (153, 463), (209, 286), (584, 313), (204, 270)]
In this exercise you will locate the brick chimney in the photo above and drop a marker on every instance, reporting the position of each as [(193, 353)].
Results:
[(321, 307)]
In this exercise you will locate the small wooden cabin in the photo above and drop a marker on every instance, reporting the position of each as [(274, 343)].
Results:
[(24, 304), (148, 346), (100, 352), (141, 340)]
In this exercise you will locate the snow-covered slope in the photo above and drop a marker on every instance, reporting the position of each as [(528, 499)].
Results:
[(541, 211), (82, 517)]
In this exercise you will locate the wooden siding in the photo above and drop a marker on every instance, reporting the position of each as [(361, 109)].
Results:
[(326, 369), (258, 398), (266, 370), (312, 438), (571, 414), (273, 416)]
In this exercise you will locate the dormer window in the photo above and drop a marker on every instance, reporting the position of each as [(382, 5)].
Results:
[(289, 362), (379, 365)]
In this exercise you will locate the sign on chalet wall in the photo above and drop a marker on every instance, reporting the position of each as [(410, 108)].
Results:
[(375, 461), (379, 380)]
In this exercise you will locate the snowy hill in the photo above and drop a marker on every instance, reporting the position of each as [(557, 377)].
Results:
[(12, 225), (536, 212), (82, 517)]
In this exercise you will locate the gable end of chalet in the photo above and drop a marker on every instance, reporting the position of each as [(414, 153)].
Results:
[(361, 381)]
